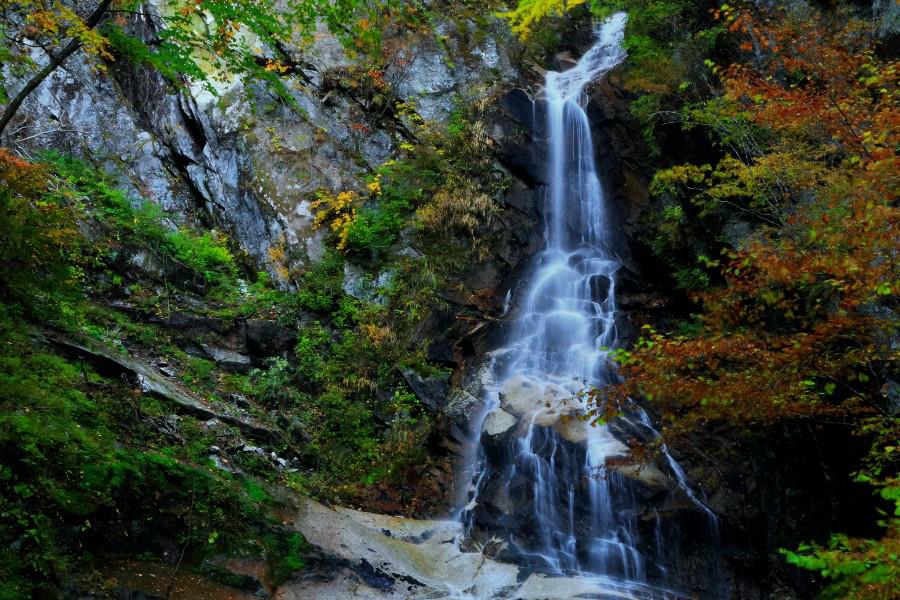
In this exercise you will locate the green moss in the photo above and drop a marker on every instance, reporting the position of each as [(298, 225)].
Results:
[(83, 475), (127, 220)]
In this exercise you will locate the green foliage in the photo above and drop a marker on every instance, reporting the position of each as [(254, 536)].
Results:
[(319, 289), (285, 550), (264, 300), (76, 474), (137, 223), (860, 567), (857, 568), (199, 373), (399, 186), (376, 227), (350, 434)]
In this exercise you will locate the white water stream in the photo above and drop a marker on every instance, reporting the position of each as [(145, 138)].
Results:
[(565, 321)]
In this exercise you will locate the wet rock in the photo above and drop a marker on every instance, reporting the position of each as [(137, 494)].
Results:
[(228, 359), (115, 365), (239, 400), (461, 405), (887, 17), (497, 422), (647, 475), (629, 430), (545, 404), (140, 264), (431, 390), (268, 338), (415, 560), (600, 286), (515, 122), (891, 392), (363, 286), (168, 372)]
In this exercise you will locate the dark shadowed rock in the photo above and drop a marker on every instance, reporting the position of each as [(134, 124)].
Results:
[(431, 390), (268, 338)]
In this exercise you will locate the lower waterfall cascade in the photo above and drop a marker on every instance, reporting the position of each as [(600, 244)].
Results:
[(581, 516)]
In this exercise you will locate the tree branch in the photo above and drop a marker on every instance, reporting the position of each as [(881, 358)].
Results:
[(55, 61)]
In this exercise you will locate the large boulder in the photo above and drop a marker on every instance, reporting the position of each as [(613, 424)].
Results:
[(546, 404)]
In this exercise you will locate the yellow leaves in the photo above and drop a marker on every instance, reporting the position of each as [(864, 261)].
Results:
[(667, 180), (374, 186), (277, 254), (274, 66), (57, 22), (379, 336), (339, 212), (95, 43), (529, 12)]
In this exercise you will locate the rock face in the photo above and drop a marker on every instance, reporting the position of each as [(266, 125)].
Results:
[(243, 162), (545, 404), (139, 373)]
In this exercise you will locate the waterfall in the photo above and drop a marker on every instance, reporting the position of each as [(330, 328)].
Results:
[(573, 515)]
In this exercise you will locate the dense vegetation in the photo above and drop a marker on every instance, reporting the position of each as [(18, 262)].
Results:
[(781, 236), (85, 455), (90, 465)]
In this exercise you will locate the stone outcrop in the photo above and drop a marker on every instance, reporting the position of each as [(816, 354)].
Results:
[(392, 558), (149, 379), (242, 161)]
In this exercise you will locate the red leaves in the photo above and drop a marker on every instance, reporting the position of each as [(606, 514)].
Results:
[(795, 330)]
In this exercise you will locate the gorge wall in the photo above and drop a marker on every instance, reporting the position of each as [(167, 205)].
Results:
[(240, 386)]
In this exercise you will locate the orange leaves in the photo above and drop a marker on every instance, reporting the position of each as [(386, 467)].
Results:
[(20, 177), (799, 326), (819, 81), (45, 22), (40, 235)]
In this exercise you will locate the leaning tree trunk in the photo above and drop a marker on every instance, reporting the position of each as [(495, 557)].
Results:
[(56, 60)]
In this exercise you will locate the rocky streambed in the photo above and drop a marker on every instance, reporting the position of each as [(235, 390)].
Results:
[(393, 558)]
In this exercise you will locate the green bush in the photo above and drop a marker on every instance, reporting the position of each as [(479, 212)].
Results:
[(136, 222), (319, 288), (82, 475)]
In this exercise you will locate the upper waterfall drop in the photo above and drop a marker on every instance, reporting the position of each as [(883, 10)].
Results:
[(606, 53)]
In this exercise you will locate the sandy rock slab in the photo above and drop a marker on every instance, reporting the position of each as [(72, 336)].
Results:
[(381, 557)]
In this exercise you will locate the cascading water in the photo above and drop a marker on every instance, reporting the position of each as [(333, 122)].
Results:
[(578, 516)]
